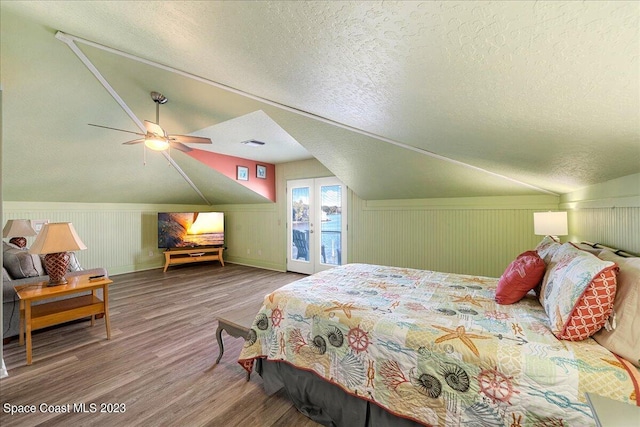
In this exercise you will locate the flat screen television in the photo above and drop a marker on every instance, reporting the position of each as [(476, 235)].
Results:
[(190, 229)]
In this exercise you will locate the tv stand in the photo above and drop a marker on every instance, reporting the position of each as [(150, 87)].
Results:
[(184, 256)]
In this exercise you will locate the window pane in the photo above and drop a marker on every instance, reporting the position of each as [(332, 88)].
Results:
[(300, 221), (331, 224)]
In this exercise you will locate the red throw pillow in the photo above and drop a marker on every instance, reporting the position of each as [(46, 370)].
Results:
[(522, 275)]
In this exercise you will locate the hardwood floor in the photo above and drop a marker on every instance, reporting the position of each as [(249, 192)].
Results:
[(158, 367)]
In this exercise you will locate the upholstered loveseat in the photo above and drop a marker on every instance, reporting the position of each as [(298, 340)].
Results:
[(20, 268)]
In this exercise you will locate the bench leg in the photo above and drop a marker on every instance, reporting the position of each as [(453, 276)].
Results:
[(220, 345)]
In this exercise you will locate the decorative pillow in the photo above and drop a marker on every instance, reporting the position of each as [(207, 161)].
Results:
[(522, 275), (547, 247), (588, 248), (74, 265), (20, 264), (577, 293), (624, 337)]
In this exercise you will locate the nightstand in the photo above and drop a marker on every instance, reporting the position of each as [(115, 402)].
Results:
[(611, 413)]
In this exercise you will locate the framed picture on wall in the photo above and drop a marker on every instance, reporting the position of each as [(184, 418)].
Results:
[(261, 171), (37, 224), (243, 173)]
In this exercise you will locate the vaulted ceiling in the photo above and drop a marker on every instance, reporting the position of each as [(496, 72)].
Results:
[(399, 100)]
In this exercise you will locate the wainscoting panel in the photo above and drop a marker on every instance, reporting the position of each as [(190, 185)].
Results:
[(120, 237), (462, 240), (614, 227)]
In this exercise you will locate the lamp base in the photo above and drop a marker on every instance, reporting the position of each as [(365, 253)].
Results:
[(20, 242), (56, 265)]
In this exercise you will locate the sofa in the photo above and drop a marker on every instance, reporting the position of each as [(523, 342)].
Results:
[(19, 267)]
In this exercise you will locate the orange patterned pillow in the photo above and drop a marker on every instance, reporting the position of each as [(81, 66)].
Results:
[(577, 293)]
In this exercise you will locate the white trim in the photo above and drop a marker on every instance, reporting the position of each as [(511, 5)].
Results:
[(69, 41)]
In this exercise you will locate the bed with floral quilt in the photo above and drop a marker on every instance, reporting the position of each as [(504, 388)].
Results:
[(433, 348)]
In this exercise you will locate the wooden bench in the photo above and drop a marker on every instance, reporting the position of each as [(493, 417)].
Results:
[(236, 323)]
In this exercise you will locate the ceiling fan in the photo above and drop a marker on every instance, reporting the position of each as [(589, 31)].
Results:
[(156, 138)]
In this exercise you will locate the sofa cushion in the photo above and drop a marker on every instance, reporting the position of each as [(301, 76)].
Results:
[(5, 275), (20, 264)]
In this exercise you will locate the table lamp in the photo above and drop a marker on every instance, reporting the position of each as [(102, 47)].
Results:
[(552, 224), (17, 230), (54, 241)]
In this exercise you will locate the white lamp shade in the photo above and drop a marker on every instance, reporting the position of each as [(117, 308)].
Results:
[(550, 224), (18, 228), (57, 237)]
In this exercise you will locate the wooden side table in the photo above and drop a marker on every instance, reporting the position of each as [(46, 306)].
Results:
[(33, 317)]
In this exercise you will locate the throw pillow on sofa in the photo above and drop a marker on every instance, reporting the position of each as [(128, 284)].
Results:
[(20, 264)]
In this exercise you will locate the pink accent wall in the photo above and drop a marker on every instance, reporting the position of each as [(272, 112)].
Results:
[(227, 165)]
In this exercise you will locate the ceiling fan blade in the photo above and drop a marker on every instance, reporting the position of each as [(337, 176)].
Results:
[(119, 130), (188, 139), (180, 146), (154, 128), (135, 141)]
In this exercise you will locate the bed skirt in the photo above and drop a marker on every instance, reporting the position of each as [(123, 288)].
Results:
[(323, 402)]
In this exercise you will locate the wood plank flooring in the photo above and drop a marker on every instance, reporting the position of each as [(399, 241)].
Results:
[(158, 367)]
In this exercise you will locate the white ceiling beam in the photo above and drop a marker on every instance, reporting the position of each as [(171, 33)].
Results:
[(304, 113), (70, 41)]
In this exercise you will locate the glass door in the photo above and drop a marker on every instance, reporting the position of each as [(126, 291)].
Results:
[(316, 225)]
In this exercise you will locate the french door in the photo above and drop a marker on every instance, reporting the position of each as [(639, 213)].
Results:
[(316, 224)]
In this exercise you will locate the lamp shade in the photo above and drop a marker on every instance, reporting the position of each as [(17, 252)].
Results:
[(550, 224), (18, 228), (57, 237)]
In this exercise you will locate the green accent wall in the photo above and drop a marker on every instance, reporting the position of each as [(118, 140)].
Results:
[(607, 213), (478, 235)]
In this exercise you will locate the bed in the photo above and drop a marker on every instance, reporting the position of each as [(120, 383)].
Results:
[(376, 345)]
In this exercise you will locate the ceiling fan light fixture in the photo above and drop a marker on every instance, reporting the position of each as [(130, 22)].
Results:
[(157, 143)]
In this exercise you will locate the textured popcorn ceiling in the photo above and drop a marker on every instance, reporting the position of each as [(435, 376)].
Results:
[(545, 94)]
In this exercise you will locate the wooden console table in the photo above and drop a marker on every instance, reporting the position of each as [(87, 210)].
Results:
[(40, 316), (184, 256)]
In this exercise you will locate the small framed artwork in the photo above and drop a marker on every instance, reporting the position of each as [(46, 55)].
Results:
[(243, 173), (261, 171), (37, 224)]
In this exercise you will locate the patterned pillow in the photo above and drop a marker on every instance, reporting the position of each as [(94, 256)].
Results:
[(577, 293), (522, 275), (623, 338), (547, 247)]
